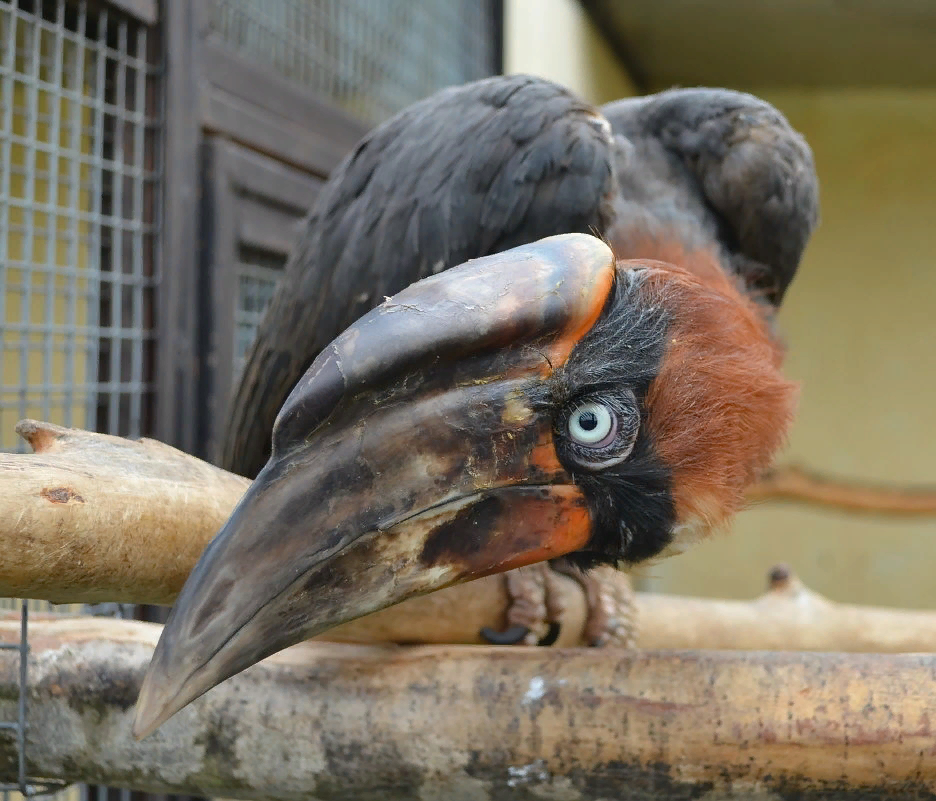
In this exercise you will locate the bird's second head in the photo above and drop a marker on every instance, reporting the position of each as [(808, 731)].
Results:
[(541, 402)]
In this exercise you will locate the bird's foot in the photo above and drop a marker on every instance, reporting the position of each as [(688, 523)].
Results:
[(612, 609), (532, 612), (535, 610)]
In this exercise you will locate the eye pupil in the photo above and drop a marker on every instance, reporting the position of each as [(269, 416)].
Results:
[(588, 421)]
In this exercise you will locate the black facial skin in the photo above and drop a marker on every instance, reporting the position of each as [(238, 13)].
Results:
[(630, 502)]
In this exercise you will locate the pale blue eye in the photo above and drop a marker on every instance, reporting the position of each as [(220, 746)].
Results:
[(592, 424)]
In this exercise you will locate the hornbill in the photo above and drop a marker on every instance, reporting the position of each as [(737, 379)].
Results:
[(603, 397)]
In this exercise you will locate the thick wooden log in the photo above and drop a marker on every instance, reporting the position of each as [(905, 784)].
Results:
[(331, 721)]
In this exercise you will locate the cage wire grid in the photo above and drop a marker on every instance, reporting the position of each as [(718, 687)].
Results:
[(78, 217), (80, 118), (370, 57), (258, 273)]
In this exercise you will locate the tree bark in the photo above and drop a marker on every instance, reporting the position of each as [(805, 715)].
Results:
[(331, 721)]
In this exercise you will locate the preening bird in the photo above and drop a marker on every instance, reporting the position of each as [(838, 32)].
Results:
[(541, 392)]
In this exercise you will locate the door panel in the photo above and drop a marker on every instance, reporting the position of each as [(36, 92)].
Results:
[(253, 207)]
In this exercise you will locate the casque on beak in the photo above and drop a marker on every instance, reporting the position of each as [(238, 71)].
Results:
[(415, 453)]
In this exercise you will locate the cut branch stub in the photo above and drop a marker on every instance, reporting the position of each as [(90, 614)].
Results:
[(788, 617)]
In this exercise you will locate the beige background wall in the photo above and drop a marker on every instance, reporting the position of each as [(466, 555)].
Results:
[(556, 40), (860, 320)]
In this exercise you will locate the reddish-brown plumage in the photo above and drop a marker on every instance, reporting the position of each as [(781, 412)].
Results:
[(720, 406)]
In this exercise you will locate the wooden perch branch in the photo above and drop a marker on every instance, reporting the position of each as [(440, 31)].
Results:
[(788, 617), (91, 517), (793, 483), (334, 721)]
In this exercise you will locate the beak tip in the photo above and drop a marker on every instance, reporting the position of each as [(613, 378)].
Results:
[(151, 711), (146, 720), (140, 728)]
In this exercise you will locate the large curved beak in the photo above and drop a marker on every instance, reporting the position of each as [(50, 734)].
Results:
[(416, 452)]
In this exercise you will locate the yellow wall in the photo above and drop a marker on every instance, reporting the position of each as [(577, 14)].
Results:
[(555, 39), (860, 319)]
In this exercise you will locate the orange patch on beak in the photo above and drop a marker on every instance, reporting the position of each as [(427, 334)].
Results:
[(542, 525), (560, 348), (543, 455)]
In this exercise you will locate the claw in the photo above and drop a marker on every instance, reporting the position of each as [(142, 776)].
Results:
[(552, 635), (513, 636), (535, 609)]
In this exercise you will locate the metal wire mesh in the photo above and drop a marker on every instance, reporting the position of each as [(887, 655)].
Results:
[(257, 274), (80, 111), (78, 183), (371, 57), (79, 177)]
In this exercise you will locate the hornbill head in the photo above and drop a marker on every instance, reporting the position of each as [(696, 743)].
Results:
[(539, 402)]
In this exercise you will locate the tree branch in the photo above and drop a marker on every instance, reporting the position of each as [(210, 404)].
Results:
[(334, 721), (788, 617), (91, 517), (794, 483)]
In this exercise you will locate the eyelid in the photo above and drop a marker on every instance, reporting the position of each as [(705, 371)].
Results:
[(591, 465)]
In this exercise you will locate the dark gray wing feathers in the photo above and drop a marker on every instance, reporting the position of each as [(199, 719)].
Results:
[(755, 174)]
